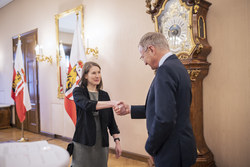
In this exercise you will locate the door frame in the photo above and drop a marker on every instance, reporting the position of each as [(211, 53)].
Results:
[(26, 123)]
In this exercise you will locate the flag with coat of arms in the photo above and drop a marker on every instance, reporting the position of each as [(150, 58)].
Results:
[(20, 92), (76, 62)]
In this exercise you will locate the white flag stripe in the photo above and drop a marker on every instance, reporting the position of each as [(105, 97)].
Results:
[(19, 67), (19, 58), (77, 51), (19, 87)]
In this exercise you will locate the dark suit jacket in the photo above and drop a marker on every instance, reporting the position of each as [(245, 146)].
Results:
[(170, 136), (85, 132)]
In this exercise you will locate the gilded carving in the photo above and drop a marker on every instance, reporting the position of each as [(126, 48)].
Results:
[(182, 57), (197, 1), (148, 5), (193, 74), (156, 7), (199, 48), (196, 8), (197, 40)]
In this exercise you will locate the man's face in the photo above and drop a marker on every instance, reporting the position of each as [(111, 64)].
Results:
[(148, 56)]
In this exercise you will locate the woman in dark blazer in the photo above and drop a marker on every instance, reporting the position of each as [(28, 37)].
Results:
[(94, 117)]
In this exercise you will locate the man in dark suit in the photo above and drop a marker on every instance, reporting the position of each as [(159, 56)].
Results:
[(170, 140)]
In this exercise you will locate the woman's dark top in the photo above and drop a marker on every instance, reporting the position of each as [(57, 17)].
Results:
[(85, 132)]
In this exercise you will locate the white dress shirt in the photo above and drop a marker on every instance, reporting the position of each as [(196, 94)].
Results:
[(164, 58)]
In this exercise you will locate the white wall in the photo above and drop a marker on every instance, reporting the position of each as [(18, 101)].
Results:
[(227, 86), (115, 27)]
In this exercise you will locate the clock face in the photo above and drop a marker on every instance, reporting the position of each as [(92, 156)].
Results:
[(174, 23), (175, 30)]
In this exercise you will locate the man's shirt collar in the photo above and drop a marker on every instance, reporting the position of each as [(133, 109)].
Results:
[(164, 58)]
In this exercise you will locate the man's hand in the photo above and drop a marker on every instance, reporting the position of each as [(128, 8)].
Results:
[(121, 108)]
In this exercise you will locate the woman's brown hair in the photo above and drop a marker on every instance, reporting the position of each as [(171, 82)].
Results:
[(86, 67)]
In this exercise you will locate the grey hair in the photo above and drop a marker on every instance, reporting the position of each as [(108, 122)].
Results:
[(154, 38)]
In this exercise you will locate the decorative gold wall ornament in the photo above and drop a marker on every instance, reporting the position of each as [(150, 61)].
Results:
[(193, 74), (92, 51), (40, 57)]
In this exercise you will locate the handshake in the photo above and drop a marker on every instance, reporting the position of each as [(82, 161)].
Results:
[(121, 108)]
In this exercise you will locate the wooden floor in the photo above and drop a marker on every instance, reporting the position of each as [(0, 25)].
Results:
[(14, 134)]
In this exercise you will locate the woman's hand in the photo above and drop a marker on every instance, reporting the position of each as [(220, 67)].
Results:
[(152, 159), (118, 149), (122, 108)]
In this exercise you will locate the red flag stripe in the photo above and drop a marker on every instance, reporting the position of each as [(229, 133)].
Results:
[(70, 106), (20, 108)]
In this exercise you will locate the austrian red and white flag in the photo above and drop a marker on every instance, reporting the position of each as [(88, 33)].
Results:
[(20, 93), (76, 62)]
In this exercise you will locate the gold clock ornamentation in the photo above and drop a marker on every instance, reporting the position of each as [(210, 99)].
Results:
[(193, 74), (196, 8), (182, 57)]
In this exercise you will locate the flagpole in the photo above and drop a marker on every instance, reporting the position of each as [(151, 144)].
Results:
[(22, 137)]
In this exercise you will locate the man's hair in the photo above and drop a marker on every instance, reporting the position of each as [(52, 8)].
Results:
[(154, 38), (86, 67)]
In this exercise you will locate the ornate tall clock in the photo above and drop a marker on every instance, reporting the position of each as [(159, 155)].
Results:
[(183, 22)]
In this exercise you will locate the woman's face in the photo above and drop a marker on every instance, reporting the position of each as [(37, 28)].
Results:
[(94, 76)]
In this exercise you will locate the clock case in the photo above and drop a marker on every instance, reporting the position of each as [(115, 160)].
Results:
[(196, 65)]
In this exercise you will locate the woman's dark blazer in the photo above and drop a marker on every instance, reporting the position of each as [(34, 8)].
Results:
[(85, 132)]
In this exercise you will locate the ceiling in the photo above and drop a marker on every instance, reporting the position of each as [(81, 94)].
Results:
[(4, 2)]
